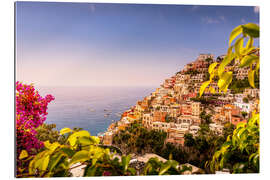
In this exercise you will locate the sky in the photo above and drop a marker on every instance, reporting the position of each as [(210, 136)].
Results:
[(90, 44)]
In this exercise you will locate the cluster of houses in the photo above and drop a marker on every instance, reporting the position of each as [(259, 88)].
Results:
[(172, 108)]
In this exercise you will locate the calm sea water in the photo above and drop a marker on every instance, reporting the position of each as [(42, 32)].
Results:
[(91, 108)]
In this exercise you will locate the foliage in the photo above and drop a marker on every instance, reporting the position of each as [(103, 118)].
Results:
[(137, 139), (240, 152), (80, 148), (192, 72), (47, 132), (245, 143), (31, 111), (209, 60), (244, 114), (168, 118), (245, 56), (245, 100), (239, 85), (199, 149), (189, 140), (57, 160), (170, 167), (175, 152), (206, 118)]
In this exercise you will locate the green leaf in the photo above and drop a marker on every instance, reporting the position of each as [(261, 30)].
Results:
[(248, 60), (85, 141), (37, 161), (173, 163), (31, 168), (45, 162), (55, 160), (94, 160), (69, 152), (248, 51), (241, 124), (240, 132), (125, 161), (52, 146), (256, 159), (132, 170), (65, 130), (73, 137), (225, 80), (212, 67), (257, 66), (224, 63), (238, 46), (212, 90), (228, 138), (235, 33), (251, 29), (90, 171), (203, 86), (24, 154), (95, 139), (250, 43), (164, 168), (251, 78), (79, 156), (251, 156)]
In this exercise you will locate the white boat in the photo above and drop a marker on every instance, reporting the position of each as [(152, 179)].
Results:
[(92, 110)]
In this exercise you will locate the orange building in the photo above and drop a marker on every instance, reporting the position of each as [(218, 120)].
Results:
[(159, 116)]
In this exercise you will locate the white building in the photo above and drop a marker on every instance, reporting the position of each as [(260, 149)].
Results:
[(216, 128)]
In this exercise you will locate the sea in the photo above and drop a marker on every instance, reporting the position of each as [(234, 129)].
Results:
[(90, 108)]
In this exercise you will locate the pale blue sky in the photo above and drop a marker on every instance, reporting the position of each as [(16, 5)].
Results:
[(86, 44)]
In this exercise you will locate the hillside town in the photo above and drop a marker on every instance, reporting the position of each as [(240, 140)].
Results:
[(176, 108)]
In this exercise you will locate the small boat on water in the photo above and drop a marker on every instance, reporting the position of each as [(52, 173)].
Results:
[(118, 114), (92, 110), (106, 115), (106, 110)]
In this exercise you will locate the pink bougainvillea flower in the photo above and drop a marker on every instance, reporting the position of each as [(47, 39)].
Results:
[(31, 112)]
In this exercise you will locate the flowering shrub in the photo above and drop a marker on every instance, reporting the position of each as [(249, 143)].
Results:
[(31, 111)]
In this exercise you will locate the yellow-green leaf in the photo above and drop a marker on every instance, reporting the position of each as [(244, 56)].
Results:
[(212, 90), (250, 43), (125, 161), (257, 67), (45, 162), (238, 46), (225, 80), (24, 154), (203, 86), (95, 139), (251, 78), (47, 144), (248, 51), (212, 67), (52, 146), (165, 167), (55, 160), (224, 63), (85, 141), (73, 137), (253, 30), (247, 60), (79, 156), (65, 130), (235, 33)]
